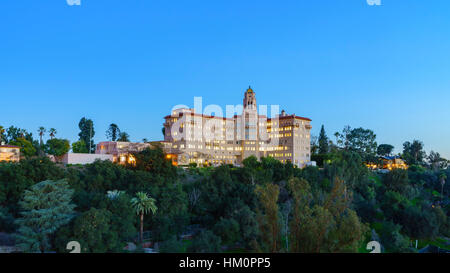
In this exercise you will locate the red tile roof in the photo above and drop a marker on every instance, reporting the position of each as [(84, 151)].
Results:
[(293, 116), (179, 115)]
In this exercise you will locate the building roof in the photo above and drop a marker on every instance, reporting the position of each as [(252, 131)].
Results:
[(179, 115), (9, 146), (194, 114), (390, 157), (292, 116)]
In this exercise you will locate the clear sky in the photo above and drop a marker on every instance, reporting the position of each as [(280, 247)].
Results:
[(338, 62)]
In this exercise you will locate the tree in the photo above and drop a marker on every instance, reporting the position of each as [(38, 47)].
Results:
[(342, 139), (228, 230), (300, 192), (323, 142), (52, 133), (93, 230), (46, 206), (87, 133), (2, 134), (314, 145), (205, 242), (413, 152), (436, 161), (392, 239), (385, 150), (173, 245), (124, 137), (286, 209), (57, 147), (6, 221), (248, 225), (41, 132), (442, 179), (269, 224), (349, 167), (250, 169), (362, 141), (328, 226), (172, 208), (123, 219), (114, 195), (420, 222), (79, 147), (26, 147), (397, 180), (13, 133), (16, 178), (143, 204), (393, 205), (113, 132), (154, 161)]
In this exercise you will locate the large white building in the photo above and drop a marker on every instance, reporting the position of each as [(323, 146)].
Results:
[(192, 137), (83, 159)]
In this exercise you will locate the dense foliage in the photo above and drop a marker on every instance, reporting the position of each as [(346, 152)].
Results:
[(263, 206)]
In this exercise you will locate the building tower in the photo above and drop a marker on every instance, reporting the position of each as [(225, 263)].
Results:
[(249, 125), (250, 100)]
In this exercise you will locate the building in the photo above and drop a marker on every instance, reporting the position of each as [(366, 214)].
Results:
[(9, 153), (388, 163), (392, 162), (120, 151), (82, 159), (192, 137)]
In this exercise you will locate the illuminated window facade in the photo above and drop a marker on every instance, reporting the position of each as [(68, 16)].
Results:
[(204, 139), (9, 153), (121, 151)]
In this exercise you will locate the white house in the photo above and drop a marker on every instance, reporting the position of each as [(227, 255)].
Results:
[(83, 159)]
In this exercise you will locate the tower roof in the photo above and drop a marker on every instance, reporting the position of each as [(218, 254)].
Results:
[(249, 90)]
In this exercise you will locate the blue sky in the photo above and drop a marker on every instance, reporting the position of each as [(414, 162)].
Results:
[(338, 62)]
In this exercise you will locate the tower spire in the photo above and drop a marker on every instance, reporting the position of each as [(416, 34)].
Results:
[(249, 99)]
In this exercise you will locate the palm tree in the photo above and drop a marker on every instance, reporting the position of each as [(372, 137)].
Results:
[(336, 135), (442, 177), (41, 132), (52, 132), (143, 204), (124, 137)]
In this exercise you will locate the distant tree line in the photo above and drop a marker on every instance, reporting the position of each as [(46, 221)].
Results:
[(31, 147)]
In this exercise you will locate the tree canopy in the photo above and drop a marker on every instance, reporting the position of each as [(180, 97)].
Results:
[(45, 207), (113, 132), (57, 147), (87, 133)]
